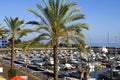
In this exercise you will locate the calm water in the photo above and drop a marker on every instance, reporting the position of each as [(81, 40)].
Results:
[(96, 73), (117, 45)]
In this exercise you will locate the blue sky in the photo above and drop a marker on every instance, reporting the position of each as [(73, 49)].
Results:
[(103, 16)]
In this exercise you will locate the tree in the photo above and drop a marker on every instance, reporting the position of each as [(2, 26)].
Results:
[(60, 23), (3, 31), (15, 29)]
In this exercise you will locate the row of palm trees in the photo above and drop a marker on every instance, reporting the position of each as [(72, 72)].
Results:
[(59, 22)]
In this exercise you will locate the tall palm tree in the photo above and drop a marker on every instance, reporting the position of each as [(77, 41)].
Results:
[(15, 29), (60, 23)]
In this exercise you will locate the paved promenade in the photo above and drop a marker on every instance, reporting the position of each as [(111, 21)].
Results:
[(20, 72)]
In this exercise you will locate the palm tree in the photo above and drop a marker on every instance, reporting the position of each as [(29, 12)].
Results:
[(15, 29), (3, 30), (60, 23)]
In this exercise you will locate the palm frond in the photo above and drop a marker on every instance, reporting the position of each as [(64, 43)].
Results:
[(64, 9), (24, 32), (68, 16), (3, 30), (77, 26), (37, 14), (8, 22), (57, 7), (49, 43), (36, 39), (41, 28), (52, 5), (34, 23), (80, 43)]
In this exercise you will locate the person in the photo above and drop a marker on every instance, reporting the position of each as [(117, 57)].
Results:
[(80, 72), (79, 75), (66, 59), (85, 76), (26, 63)]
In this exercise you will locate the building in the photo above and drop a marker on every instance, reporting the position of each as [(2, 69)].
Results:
[(3, 42)]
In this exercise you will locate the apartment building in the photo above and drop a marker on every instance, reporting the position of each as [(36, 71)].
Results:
[(3, 42)]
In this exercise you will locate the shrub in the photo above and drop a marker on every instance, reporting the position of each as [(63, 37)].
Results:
[(12, 73)]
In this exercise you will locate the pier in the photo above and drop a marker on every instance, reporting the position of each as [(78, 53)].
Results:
[(110, 49), (95, 48)]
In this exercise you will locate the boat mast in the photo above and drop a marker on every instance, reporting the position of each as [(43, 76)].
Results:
[(90, 44), (119, 40), (116, 44), (108, 44)]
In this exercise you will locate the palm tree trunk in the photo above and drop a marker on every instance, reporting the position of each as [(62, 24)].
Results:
[(55, 47), (12, 53)]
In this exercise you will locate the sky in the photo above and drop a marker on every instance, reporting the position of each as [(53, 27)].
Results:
[(103, 17)]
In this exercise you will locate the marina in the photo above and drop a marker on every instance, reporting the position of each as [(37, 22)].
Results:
[(56, 43), (72, 63)]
